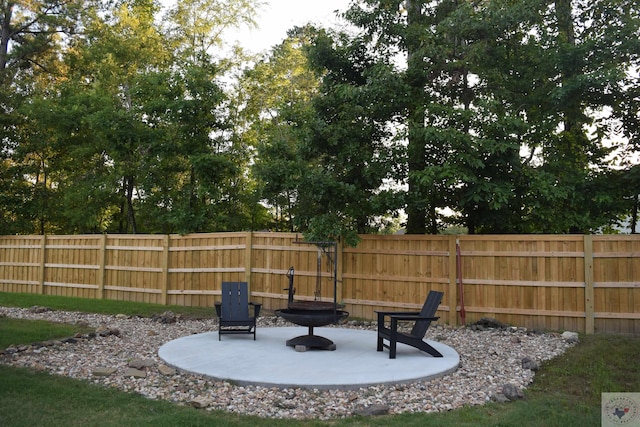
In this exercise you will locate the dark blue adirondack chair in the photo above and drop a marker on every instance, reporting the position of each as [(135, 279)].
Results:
[(422, 321), (233, 311)]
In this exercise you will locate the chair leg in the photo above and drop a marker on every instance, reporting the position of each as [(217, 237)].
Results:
[(393, 338), (380, 346)]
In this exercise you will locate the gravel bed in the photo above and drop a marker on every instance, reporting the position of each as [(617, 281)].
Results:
[(123, 354)]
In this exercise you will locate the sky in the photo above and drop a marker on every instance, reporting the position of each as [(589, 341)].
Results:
[(278, 16)]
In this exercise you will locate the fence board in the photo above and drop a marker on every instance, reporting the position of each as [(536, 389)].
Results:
[(583, 283)]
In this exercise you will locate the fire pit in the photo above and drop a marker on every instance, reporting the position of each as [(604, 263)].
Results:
[(312, 313)]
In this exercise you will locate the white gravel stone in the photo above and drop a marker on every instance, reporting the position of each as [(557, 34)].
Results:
[(489, 359)]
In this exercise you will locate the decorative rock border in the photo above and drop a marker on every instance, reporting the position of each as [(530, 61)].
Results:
[(497, 363)]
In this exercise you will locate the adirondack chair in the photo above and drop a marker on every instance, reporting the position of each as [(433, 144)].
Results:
[(233, 311), (421, 320)]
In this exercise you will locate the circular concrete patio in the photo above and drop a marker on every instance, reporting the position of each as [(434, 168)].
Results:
[(269, 362)]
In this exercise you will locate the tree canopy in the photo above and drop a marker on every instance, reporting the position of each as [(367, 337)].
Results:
[(497, 116)]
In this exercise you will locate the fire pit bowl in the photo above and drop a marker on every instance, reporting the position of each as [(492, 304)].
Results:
[(309, 317)]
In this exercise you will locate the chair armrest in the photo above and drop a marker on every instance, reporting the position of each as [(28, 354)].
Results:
[(386, 313), (383, 314), (396, 316), (418, 317), (256, 309), (218, 306)]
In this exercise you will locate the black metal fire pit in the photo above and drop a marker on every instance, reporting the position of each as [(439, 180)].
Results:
[(311, 319), (311, 314)]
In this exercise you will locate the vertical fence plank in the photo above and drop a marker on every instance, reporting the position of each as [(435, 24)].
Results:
[(588, 285), (43, 255), (164, 276), (453, 279), (102, 266), (339, 262), (248, 257)]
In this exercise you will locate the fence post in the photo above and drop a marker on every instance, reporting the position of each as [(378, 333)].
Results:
[(43, 255), (102, 268), (164, 280), (248, 262), (339, 271), (453, 279), (588, 285)]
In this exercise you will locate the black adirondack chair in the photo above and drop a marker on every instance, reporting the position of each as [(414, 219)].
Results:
[(422, 321), (233, 311)]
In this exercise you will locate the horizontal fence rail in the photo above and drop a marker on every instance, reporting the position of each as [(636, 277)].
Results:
[(545, 282)]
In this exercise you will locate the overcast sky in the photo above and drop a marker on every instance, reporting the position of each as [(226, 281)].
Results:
[(278, 16)]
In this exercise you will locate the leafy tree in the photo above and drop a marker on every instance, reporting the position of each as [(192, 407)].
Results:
[(322, 155), (196, 27), (31, 35), (133, 134), (500, 98), (200, 184), (109, 137), (274, 96), (349, 147), (591, 49), (30, 30)]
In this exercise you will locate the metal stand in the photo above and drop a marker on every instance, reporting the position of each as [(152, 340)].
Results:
[(314, 313), (306, 342)]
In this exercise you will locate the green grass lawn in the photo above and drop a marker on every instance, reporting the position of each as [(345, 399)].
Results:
[(566, 391), (20, 331), (100, 306)]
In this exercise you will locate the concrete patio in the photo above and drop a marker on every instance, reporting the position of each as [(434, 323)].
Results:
[(269, 362)]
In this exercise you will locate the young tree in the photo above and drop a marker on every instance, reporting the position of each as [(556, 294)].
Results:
[(274, 97)]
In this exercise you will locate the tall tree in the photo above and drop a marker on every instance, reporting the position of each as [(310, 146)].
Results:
[(350, 147), (500, 100), (593, 48), (32, 34), (134, 134), (30, 29), (201, 183), (107, 66), (275, 98), (197, 27), (412, 30)]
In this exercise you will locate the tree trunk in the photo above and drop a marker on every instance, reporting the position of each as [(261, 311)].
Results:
[(7, 12), (416, 152), (634, 214), (567, 41), (131, 215)]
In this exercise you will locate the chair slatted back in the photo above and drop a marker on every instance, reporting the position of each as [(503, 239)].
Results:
[(235, 301), (428, 310)]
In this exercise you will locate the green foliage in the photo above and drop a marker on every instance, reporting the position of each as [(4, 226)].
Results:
[(131, 132), (502, 98), (321, 160), (518, 117)]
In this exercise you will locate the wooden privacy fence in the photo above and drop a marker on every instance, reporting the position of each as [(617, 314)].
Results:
[(547, 282)]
